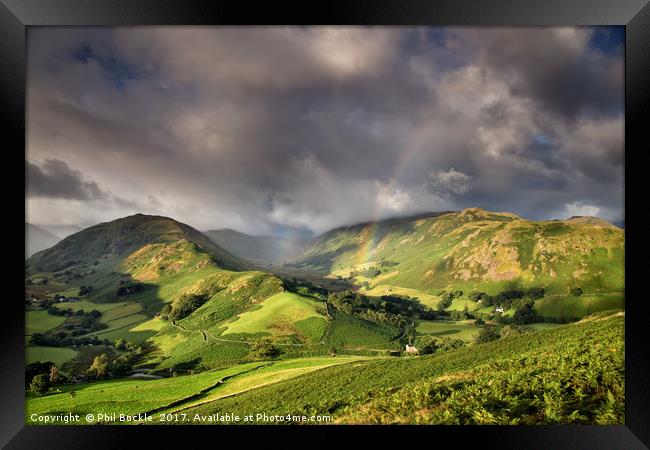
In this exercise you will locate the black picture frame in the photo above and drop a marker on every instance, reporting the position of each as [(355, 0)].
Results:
[(17, 15)]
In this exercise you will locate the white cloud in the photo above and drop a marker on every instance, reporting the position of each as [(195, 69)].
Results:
[(448, 184), (391, 197), (580, 209)]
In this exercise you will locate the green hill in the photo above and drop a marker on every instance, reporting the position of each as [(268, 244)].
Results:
[(475, 250), (571, 374), (191, 304), (121, 237)]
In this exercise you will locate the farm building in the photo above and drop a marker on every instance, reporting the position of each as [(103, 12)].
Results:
[(412, 350)]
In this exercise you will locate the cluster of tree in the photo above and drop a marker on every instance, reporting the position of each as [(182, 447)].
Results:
[(182, 307), (391, 309), (264, 349), (70, 312), (385, 263), (461, 315), (446, 298), (507, 299), (524, 314), (83, 290), (61, 339), (370, 272), (305, 289), (41, 376), (129, 288), (428, 344), (37, 368), (80, 322), (492, 333), (105, 366)]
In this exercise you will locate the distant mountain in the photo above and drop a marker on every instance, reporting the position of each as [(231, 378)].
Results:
[(265, 249), (121, 238), (37, 239), (63, 231), (474, 249)]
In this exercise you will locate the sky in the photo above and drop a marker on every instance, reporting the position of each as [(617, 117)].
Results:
[(281, 130)]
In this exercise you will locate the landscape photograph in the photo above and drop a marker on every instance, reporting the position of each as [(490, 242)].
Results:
[(312, 225)]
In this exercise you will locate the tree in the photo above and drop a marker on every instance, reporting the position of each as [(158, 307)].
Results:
[(36, 368), (487, 334), (83, 290), (576, 291), (512, 330), (40, 384), (265, 349), (445, 301), (525, 314), (99, 366), (427, 345), (54, 375), (479, 322)]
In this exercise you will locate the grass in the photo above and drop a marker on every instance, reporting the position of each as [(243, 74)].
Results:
[(477, 250), (127, 396), (570, 306), (277, 315), (173, 394), (41, 321), (57, 355), (342, 390), (273, 372), (464, 330), (424, 298)]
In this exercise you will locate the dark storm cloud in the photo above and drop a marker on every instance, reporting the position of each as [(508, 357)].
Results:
[(54, 179), (264, 129)]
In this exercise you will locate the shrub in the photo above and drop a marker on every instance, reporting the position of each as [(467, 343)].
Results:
[(487, 334), (40, 384), (264, 349)]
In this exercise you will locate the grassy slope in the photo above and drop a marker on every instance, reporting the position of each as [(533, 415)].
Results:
[(478, 250), (278, 315), (340, 390), (173, 394), (168, 260)]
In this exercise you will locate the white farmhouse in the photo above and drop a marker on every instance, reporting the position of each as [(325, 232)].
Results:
[(412, 350)]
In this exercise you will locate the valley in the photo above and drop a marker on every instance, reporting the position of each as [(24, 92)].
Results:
[(145, 314)]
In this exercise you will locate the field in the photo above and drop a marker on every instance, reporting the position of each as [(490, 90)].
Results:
[(57, 355), (569, 306), (426, 299), (462, 329), (41, 321), (277, 315), (580, 352), (175, 393)]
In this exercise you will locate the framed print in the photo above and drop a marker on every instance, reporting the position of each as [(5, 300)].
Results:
[(356, 219)]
